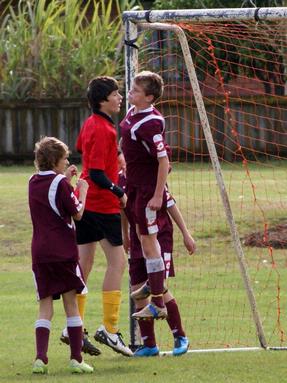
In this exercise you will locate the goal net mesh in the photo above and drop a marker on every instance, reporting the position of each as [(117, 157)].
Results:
[(241, 68)]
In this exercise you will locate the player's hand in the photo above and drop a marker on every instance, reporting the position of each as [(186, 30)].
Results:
[(189, 243), (123, 201), (155, 203), (126, 243), (71, 171), (122, 163), (82, 185)]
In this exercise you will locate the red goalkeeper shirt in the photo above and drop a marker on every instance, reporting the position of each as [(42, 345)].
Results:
[(97, 142)]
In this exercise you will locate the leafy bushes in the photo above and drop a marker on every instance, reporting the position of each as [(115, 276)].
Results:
[(52, 48)]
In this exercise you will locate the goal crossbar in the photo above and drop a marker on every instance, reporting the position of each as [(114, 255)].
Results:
[(203, 15)]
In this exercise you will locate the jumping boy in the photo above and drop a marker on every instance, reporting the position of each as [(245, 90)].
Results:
[(138, 275), (54, 250), (144, 149), (101, 222)]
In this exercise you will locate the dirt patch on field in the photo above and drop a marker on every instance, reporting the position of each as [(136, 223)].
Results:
[(275, 236)]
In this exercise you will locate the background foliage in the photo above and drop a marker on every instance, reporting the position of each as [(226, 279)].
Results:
[(53, 48)]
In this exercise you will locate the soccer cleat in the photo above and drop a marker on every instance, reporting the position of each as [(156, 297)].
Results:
[(113, 341), (142, 293), (80, 368), (39, 367), (65, 339), (151, 311), (87, 348), (146, 351), (181, 344)]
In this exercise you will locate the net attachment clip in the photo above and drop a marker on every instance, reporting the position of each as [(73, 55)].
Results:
[(131, 43), (256, 16), (147, 16)]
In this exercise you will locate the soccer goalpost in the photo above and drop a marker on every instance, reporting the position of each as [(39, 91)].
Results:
[(225, 105)]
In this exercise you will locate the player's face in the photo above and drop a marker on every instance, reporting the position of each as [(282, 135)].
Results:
[(138, 98), (62, 165), (113, 104)]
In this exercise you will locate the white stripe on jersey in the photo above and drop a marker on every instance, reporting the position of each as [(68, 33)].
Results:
[(36, 286), (79, 274), (147, 110), (170, 202), (167, 263), (146, 146), (53, 191), (145, 119)]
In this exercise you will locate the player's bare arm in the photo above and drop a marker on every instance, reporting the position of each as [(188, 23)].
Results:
[(82, 187), (125, 231), (123, 201), (188, 241), (155, 202), (121, 159)]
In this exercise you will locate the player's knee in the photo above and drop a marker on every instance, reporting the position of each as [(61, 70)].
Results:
[(122, 264), (118, 264)]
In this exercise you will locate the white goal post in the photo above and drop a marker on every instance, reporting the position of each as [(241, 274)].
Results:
[(136, 25)]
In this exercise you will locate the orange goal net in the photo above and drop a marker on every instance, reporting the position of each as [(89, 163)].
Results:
[(225, 106)]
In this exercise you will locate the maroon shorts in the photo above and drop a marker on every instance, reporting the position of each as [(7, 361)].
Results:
[(145, 218), (56, 278), (137, 268)]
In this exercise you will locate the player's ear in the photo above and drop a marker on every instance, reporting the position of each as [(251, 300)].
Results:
[(150, 98), (102, 103)]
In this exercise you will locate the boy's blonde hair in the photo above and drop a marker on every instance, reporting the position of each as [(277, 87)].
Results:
[(48, 151), (151, 82)]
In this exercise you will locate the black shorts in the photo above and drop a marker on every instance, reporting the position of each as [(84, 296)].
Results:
[(94, 227)]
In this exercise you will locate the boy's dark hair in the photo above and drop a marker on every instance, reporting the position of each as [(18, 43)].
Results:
[(151, 82), (48, 151), (99, 89)]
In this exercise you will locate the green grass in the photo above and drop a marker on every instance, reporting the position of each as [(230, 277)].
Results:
[(208, 286)]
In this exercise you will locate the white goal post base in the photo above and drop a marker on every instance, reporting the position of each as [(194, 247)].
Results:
[(211, 350), (231, 349)]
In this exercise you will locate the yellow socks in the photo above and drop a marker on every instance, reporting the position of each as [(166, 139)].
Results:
[(111, 310), (82, 299)]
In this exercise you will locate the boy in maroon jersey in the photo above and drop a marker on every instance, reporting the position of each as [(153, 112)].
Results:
[(101, 222), (144, 149), (138, 275), (54, 250)]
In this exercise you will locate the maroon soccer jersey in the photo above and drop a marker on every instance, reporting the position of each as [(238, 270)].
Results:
[(97, 142), (52, 204), (142, 144)]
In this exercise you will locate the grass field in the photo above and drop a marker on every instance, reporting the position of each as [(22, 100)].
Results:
[(208, 286)]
